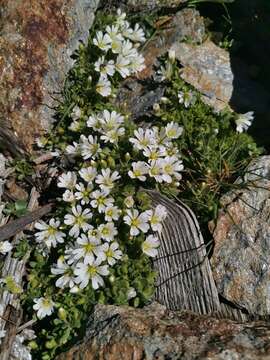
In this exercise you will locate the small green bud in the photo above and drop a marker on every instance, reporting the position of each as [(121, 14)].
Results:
[(127, 156), (33, 345), (112, 279), (103, 164), (111, 162), (50, 344), (61, 130), (62, 314)]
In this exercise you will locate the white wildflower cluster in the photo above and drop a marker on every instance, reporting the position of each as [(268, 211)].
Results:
[(98, 223), (162, 159), (118, 43)]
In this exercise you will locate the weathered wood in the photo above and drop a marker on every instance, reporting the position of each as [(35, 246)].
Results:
[(15, 226), (10, 142), (185, 278), (11, 312)]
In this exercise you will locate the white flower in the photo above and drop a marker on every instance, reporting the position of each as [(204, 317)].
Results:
[(5, 247), (89, 147), (49, 233), (129, 201), (76, 113), (73, 149), (94, 233), (139, 170), (66, 272), (114, 32), (102, 41), (83, 192), (113, 135), (150, 245), (128, 50), (103, 86), (88, 174), (75, 126), (67, 180), (105, 67), (94, 122), (243, 121), (126, 29), (79, 220), (112, 213), (122, 66), (155, 170), (137, 222), (131, 293), (153, 152), (100, 200), (187, 98), (173, 130), (108, 231), (110, 252), (156, 217), (137, 35), (69, 196), (106, 179), (120, 17), (116, 38), (43, 306), (93, 272), (143, 139), (171, 166), (111, 120), (137, 63), (171, 54), (85, 249)]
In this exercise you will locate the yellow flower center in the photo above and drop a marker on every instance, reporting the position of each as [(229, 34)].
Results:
[(168, 169), (92, 271), (154, 220), (51, 230), (105, 231), (109, 253), (135, 222), (89, 247)]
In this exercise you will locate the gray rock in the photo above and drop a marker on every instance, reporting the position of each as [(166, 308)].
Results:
[(37, 39), (146, 5), (207, 67), (125, 333), (240, 261)]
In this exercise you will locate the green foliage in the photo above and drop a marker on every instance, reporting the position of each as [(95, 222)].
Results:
[(214, 154), (23, 168), (18, 208)]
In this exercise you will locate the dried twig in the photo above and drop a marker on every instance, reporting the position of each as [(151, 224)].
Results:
[(15, 226)]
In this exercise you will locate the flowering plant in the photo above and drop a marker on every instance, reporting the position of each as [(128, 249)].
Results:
[(99, 242)]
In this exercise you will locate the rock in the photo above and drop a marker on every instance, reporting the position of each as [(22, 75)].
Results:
[(149, 5), (125, 333), (37, 39), (187, 23), (222, 80), (207, 67), (241, 255)]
